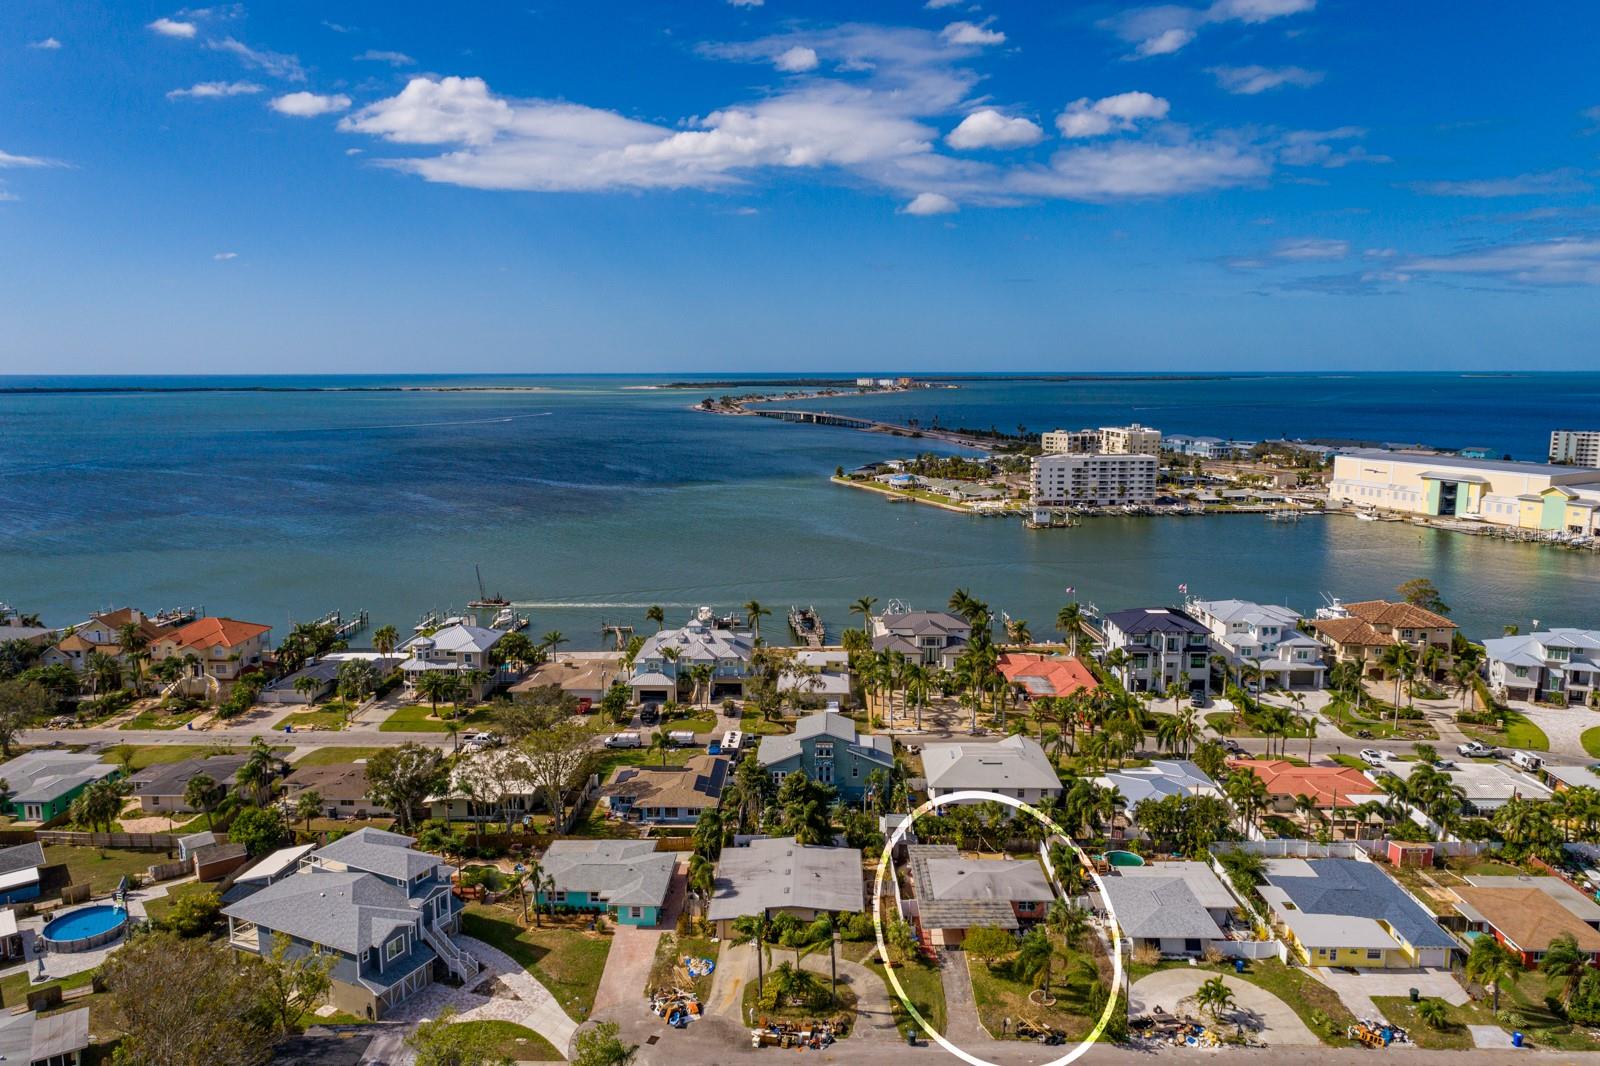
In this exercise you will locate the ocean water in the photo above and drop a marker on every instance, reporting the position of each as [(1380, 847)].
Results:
[(594, 497)]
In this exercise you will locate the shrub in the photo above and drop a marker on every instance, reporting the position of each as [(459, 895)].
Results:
[(194, 915)]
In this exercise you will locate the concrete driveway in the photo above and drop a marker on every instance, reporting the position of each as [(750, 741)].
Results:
[(1279, 1024), (502, 991), (1355, 990)]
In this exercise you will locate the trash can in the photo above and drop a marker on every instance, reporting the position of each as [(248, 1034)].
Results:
[(1415, 995), (1238, 966), (1516, 1038)]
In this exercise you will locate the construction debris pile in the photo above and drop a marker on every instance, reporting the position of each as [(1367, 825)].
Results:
[(815, 1035), (678, 1006), (698, 967), (1159, 1027), (1028, 1030), (1375, 1033)]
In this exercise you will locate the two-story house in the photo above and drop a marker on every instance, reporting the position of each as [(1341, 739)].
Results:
[(933, 638), (1264, 636), (462, 650), (1559, 665), (663, 669), (826, 748), (215, 651), (1359, 632), (382, 911), (1016, 766), (101, 633), (1160, 646)]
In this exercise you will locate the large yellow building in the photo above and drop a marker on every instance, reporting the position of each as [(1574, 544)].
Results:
[(1563, 499)]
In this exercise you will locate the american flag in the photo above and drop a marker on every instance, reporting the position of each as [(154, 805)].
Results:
[(1183, 589)]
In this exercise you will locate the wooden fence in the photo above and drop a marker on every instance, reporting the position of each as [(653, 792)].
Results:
[(124, 841)]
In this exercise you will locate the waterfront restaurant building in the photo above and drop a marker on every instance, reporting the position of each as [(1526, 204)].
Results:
[(1535, 496)]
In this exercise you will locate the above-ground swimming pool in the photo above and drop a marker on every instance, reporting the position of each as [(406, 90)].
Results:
[(85, 928), (1123, 858)]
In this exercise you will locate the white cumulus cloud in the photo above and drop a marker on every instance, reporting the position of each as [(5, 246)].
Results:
[(1250, 80), (173, 28), (990, 129), (309, 105), (970, 33), (48, 44), (1143, 169), (212, 89), (1163, 29), (1120, 113), (797, 60), (930, 203)]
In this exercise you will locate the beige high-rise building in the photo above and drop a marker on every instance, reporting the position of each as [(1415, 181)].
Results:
[(1130, 440), (1070, 441), (1095, 480)]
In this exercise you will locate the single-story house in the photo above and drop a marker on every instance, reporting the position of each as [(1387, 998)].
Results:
[(1016, 766), (1328, 786), (161, 788), (325, 673), (44, 1040), (19, 872), (1525, 920), (955, 894), (1039, 675), (493, 785), (1162, 778), (1348, 912), (1178, 908), (45, 781), (666, 795), (1486, 787), (626, 879), (587, 677), (342, 788), (777, 875)]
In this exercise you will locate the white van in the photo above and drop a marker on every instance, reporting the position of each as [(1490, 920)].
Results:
[(1526, 760), (624, 740), (732, 741), (682, 738)]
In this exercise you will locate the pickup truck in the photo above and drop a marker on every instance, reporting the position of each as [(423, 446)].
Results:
[(1473, 749)]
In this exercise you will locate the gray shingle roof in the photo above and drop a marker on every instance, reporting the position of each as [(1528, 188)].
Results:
[(345, 910), (1016, 762), (1356, 889), (623, 873), (1159, 907), (376, 851), (776, 748), (958, 893), (21, 857), (774, 873), (170, 779), (42, 776), (919, 623)]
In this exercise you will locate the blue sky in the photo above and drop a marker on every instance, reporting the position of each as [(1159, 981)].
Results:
[(705, 185)]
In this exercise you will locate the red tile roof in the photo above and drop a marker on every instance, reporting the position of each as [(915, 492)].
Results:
[(1043, 676), (207, 632), (1329, 786), (1400, 615)]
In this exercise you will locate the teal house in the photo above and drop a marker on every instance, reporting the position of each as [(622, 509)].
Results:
[(826, 748), (627, 880), (44, 783)]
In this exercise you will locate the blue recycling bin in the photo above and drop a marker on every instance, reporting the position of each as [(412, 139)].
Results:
[(1238, 966), (1516, 1038)]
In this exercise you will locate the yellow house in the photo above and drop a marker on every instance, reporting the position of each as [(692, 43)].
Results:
[(1348, 912), (1524, 495)]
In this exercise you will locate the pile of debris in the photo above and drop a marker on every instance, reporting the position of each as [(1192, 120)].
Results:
[(814, 1035), (1160, 1027), (697, 967), (1029, 1030), (1377, 1033), (677, 1005)]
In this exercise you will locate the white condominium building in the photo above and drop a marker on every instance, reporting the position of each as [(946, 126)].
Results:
[(1130, 440), (1578, 447), (1094, 480)]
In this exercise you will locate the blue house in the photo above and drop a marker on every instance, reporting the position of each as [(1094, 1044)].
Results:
[(827, 748), (625, 879), (19, 872)]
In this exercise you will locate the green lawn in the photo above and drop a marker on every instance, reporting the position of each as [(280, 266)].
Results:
[(841, 1009), (334, 755), (1519, 733), (666, 971), (15, 987), (999, 995), (101, 867), (753, 723), (515, 1042), (156, 754), (159, 719), (563, 954), (1402, 1012), (330, 716), (1543, 1027), (1304, 994), (1591, 742), (701, 721), (1227, 723), (159, 907), (417, 718), (611, 758), (919, 978)]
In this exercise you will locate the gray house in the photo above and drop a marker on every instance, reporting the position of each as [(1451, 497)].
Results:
[(934, 638), (384, 911), (826, 748)]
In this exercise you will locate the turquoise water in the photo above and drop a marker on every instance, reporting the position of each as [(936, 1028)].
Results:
[(1123, 858), (84, 922), (597, 497)]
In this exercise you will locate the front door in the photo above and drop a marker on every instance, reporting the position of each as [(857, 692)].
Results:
[(825, 772)]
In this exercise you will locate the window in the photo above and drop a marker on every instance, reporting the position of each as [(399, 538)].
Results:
[(394, 948), (824, 749), (1374, 954)]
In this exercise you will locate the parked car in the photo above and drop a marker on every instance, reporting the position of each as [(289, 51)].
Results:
[(1526, 760), (482, 740), (1474, 749), (585, 705), (624, 740), (682, 738), (1371, 756), (714, 748), (650, 713), (1232, 747)]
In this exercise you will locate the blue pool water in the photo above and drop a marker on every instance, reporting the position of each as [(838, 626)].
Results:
[(85, 922)]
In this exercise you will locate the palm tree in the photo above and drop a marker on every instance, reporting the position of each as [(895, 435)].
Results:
[(1017, 631), (655, 614), (307, 805), (258, 771), (918, 683), (384, 639), (551, 641), (538, 881), (136, 650), (755, 929), (1069, 620), (753, 612), (1032, 963), (452, 726), (97, 806), (1564, 963), (304, 685), (1433, 1012), (1214, 997), (1309, 724), (1491, 965), (105, 673), (1401, 664), (200, 794), (659, 743), (433, 686), (863, 607)]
